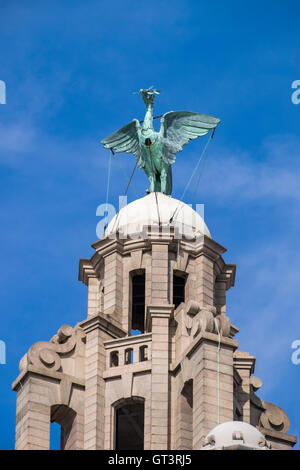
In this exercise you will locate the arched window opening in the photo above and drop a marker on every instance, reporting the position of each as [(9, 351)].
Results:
[(138, 303), (62, 420), (178, 289), (128, 356), (143, 353), (130, 426), (186, 415), (114, 359)]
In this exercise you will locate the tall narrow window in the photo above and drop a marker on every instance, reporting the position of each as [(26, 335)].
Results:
[(138, 302), (178, 289), (143, 353), (128, 356), (130, 426), (114, 359)]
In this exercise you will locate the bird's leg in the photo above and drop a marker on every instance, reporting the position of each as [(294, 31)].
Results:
[(166, 179), (152, 183), (151, 178)]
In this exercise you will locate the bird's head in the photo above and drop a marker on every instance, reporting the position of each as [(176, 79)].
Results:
[(148, 94)]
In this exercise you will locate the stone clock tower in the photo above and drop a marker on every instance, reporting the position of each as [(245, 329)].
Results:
[(155, 363)]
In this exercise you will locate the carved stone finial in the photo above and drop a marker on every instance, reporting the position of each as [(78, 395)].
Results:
[(274, 418), (202, 318), (48, 354)]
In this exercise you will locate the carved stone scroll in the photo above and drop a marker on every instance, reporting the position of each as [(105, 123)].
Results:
[(48, 354)]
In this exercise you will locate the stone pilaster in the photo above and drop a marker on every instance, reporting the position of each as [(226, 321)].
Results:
[(97, 329), (244, 364), (220, 294), (93, 295), (204, 366), (160, 396), (204, 280), (113, 285), (33, 415), (160, 274)]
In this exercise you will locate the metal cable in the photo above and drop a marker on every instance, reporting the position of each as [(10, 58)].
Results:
[(192, 175)]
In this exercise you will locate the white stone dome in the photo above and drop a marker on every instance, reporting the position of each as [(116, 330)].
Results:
[(147, 211), (233, 435)]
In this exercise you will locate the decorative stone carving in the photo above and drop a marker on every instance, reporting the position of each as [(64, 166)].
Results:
[(201, 318), (224, 325), (48, 354), (204, 321), (271, 416), (274, 418), (255, 382)]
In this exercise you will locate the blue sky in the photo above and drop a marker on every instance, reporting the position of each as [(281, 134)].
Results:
[(70, 68)]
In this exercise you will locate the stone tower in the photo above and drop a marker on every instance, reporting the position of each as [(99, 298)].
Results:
[(156, 272)]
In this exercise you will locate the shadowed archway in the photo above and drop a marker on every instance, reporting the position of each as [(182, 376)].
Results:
[(129, 424)]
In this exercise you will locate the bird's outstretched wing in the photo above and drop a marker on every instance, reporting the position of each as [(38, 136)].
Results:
[(179, 127), (125, 139)]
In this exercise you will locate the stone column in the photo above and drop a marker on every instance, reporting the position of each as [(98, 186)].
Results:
[(98, 329), (113, 285), (204, 270), (220, 294), (94, 384), (160, 274), (93, 295), (160, 396), (33, 415), (244, 364), (204, 366)]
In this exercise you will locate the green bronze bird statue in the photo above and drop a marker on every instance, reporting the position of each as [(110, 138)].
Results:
[(156, 151)]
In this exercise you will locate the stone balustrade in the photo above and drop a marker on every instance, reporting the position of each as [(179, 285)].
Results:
[(128, 351)]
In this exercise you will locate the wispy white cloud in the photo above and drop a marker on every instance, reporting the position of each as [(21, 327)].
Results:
[(15, 138), (272, 171), (264, 306)]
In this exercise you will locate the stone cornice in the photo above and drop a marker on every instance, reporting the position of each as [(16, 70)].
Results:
[(158, 311), (277, 435), (39, 371), (227, 275), (204, 246), (86, 270), (107, 246), (127, 341), (243, 360), (137, 368), (107, 324), (203, 336)]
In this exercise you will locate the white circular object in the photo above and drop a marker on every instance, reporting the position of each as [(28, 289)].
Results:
[(235, 433), (152, 209)]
